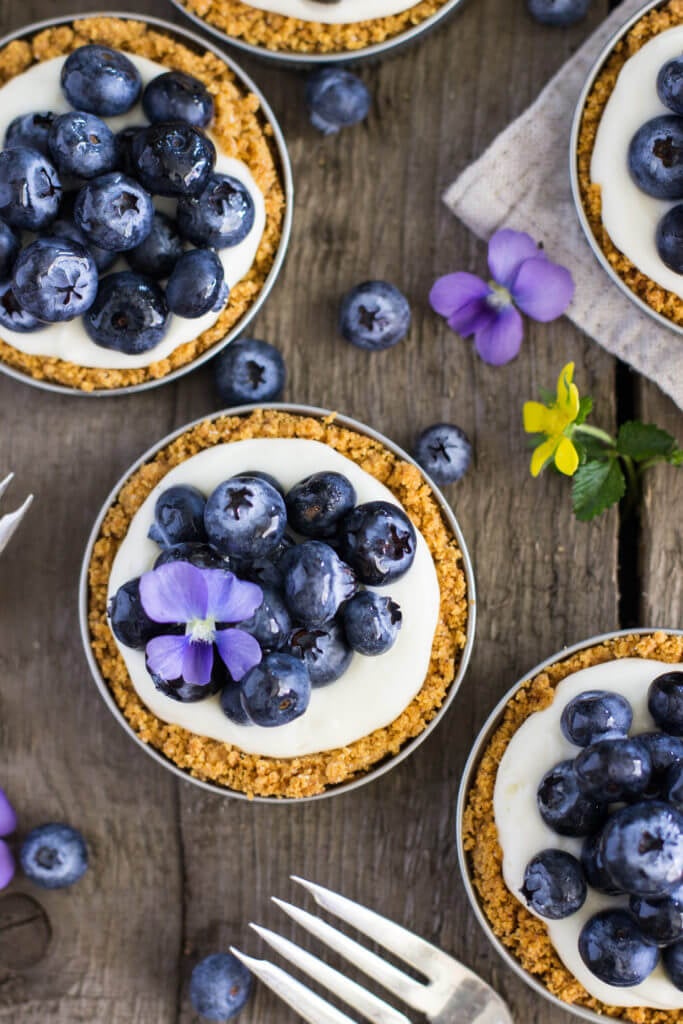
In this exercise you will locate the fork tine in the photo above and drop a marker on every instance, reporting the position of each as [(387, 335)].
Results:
[(4, 484), (307, 1004), (10, 522), (358, 998)]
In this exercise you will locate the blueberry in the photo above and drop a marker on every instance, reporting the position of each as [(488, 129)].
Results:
[(249, 371), (554, 886), (664, 751), (197, 284), (444, 451), (124, 148), (558, 12), (374, 315), (336, 99), (201, 555), (30, 130), (55, 279), (173, 159), (271, 623), (378, 541), (221, 216), (614, 950), (670, 85), (129, 623), (665, 702), (655, 157), (231, 704), (669, 239), (114, 212), (30, 189), (245, 517), (277, 691), (660, 919), (12, 315), (673, 962), (594, 869), (642, 848), (317, 583), (177, 96), (9, 249), (190, 693), (100, 81), (596, 715), (673, 791), (562, 805), (129, 314), (324, 651), (158, 253), (372, 623), (259, 475), (64, 228), (82, 145), (220, 986), (613, 769), (316, 505), (178, 516), (266, 570), (54, 856)]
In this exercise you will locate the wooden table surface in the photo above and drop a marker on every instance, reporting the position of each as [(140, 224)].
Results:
[(177, 873)]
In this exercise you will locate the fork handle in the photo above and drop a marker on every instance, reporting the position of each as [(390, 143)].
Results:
[(469, 1005)]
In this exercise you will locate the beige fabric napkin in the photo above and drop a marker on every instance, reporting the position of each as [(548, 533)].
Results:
[(522, 182)]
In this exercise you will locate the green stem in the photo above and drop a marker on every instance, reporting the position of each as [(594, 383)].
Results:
[(601, 435), (633, 477)]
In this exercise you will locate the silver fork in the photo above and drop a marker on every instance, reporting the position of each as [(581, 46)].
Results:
[(453, 994), (10, 522)]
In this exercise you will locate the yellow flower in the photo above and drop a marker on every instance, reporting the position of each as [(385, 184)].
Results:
[(553, 421)]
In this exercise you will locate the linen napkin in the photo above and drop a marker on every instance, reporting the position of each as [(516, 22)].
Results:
[(522, 182)]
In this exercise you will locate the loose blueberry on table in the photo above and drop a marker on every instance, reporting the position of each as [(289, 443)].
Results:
[(54, 856), (236, 606), (249, 371), (336, 99), (220, 987)]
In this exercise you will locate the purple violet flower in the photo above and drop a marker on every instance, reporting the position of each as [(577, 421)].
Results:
[(523, 277), (8, 824), (204, 601)]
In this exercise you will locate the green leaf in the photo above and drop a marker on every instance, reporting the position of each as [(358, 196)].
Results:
[(585, 409), (592, 447), (676, 458), (597, 486), (643, 441)]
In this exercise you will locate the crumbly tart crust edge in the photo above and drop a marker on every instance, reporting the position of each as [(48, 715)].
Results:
[(242, 131), (222, 763), (524, 935)]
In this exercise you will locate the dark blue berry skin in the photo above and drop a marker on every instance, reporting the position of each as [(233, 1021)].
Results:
[(82, 145), (670, 85), (54, 856), (9, 249), (324, 651), (596, 715), (271, 622), (101, 81), (124, 148), (673, 963), (190, 693), (642, 848), (317, 583), (129, 314), (372, 623), (30, 130), (197, 284), (554, 886), (665, 702), (158, 253), (178, 516), (63, 228), (558, 12), (177, 96), (267, 570), (374, 315), (231, 704), (613, 769), (664, 751), (615, 951), (220, 987), (655, 157), (594, 867), (268, 478), (659, 919), (669, 239), (55, 279), (444, 451), (114, 212), (277, 691), (221, 216), (673, 788), (30, 189), (13, 316), (245, 517), (378, 541), (173, 159), (249, 371), (201, 555), (336, 99), (562, 805), (316, 505), (128, 620)]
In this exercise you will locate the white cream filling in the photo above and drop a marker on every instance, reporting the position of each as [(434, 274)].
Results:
[(39, 89), (373, 691), (629, 215), (344, 12), (537, 746)]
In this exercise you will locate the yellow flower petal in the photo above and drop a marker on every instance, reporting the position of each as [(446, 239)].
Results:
[(568, 393), (566, 457), (543, 454), (536, 418)]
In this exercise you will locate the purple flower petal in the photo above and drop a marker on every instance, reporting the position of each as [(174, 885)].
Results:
[(239, 650), (500, 342), (175, 592), (472, 317), (166, 655), (454, 291), (542, 289), (230, 599), (8, 816), (198, 663), (6, 865), (507, 251)]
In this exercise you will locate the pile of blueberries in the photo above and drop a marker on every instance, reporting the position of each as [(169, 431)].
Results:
[(624, 796), (85, 195), (311, 551)]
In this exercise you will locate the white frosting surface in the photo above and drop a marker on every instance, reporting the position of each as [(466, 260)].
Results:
[(629, 215), (39, 89), (537, 746), (342, 13), (373, 691)]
